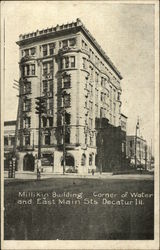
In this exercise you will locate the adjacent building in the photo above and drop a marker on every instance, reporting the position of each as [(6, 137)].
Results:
[(80, 85), (9, 141)]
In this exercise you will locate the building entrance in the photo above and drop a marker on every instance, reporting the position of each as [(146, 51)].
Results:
[(28, 162)]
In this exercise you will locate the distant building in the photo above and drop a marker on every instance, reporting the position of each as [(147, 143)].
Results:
[(66, 66), (141, 150), (9, 141)]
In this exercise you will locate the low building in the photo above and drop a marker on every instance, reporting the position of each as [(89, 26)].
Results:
[(111, 146), (9, 141)]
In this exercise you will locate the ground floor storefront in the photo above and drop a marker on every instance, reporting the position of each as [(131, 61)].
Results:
[(77, 160)]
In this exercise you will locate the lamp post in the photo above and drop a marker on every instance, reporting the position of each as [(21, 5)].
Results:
[(64, 143)]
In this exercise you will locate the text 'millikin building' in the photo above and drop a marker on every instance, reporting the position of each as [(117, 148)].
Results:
[(67, 66)]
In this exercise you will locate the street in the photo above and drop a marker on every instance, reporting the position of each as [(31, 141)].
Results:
[(50, 209)]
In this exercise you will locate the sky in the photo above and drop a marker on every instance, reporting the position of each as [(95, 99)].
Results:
[(124, 31)]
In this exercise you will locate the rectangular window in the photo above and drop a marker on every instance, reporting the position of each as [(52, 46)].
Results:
[(26, 52), (45, 71), (33, 51), (66, 81), (67, 100), (45, 86), (83, 44), (101, 96), (84, 63), (50, 64), (64, 43), (44, 50), (50, 121), (50, 84), (5, 141), (32, 69), (67, 118), (66, 62), (27, 105), (118, 96), (27, 88), (44, 122), (67, 135), (27, 140), (72, 58), (28, 70), (12, 141), (27, 122), (72, 42), (50, 104), (51, 48), (47, 140)]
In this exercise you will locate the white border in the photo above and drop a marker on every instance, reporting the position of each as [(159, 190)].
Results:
[(105, 244)]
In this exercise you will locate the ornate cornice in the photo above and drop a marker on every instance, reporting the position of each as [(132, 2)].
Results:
[(64, 29)]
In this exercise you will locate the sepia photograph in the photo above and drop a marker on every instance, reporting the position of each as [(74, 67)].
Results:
[(79, 123)]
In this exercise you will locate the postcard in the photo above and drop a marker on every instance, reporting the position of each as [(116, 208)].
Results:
[(80, 120)]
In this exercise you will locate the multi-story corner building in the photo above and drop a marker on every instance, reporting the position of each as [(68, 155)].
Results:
[(136, 145), (66, 65)]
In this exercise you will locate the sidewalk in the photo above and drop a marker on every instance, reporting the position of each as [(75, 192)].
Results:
[(32, 175)]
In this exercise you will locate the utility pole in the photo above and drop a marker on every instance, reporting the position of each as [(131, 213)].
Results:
[(137, 127), (145, 157), (64, 145), (39, 138), (64, 131)]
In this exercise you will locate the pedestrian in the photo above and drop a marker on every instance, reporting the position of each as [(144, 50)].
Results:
[(92, 171)]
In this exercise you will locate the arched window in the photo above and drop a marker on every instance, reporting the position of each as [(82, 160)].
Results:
[(83, 160), (69, 161), (28, 162)]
